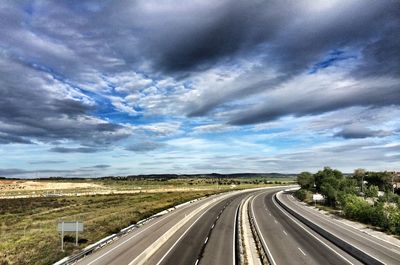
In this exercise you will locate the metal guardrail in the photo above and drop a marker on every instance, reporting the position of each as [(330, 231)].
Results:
[(109, 239)]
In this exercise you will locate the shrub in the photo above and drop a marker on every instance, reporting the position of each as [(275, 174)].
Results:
[(304, 195)]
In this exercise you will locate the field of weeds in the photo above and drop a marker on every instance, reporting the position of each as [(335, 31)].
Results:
[(28, 225)]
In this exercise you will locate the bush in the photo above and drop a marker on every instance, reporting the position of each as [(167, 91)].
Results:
[(304, 195)]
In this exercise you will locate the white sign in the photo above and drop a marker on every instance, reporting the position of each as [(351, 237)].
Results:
[(70, 226), (317, 197)]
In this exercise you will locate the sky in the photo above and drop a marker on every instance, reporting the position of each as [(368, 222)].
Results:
[(98, 88)]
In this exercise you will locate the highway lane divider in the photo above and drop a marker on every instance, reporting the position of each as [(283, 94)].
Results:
[(352, 250)]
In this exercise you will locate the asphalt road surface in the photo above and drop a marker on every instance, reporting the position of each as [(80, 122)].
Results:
[(208, 237), (381, 250)]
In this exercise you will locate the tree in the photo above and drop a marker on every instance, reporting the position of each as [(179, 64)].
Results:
[(325, 174), (359, 174), (381, 179), (306, 180)]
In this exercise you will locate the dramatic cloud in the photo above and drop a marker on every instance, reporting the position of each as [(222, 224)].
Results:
[(195, 80)]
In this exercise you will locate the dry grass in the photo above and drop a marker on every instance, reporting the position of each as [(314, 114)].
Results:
[(28, 225)]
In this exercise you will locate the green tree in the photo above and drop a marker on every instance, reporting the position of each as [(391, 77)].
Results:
[(325, 174), (305, 180), (381, 179)]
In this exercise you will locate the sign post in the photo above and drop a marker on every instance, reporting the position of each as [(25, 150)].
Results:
[(75, 226), (317, 197), (62, 236)]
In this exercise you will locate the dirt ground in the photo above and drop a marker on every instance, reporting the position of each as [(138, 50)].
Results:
[(13, 185)]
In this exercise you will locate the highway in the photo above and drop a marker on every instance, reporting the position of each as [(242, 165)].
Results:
[(204, 232), (187, 244)]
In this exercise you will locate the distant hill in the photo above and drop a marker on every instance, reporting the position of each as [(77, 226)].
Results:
[(166, 176)]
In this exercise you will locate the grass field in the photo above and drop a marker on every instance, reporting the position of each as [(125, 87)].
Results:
[(28, 225)]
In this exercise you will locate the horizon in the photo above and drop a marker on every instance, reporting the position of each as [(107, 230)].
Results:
[(150, 87)]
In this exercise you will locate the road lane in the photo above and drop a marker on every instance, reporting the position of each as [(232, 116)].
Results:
[(383, 251), (221, 247), (289, 242)]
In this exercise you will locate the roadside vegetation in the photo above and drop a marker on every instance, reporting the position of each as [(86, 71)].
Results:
[(28, 225), (367, 197)]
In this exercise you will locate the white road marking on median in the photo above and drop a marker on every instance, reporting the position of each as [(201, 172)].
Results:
[(197, 261), (205, 241), (258, 229), (285, 232), (302, 252), (299, 224)]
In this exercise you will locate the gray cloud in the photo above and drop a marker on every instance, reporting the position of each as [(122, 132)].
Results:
[(354, 132), (67, 150), (48, 111), (17, 172), (47, 162), (101, 166), (302, 102), (81, 42), (144, 146)]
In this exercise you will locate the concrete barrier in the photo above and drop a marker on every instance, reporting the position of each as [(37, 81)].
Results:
[(355, 252)]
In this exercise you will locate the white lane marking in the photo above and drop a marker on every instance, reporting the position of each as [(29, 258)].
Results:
[(302, 252), (135, 235), (354, 232), (205, 242), (270, 214), (284, 232), (259, 232), (197, 261), (212, 226), (275, 221), (299, 224), (184, 233), (234, 237)]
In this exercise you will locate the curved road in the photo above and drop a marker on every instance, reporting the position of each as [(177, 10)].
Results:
[(383, 251), (288, 240), (208, 235)]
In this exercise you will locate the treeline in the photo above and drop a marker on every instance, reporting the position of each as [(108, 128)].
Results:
[(368, 197)]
